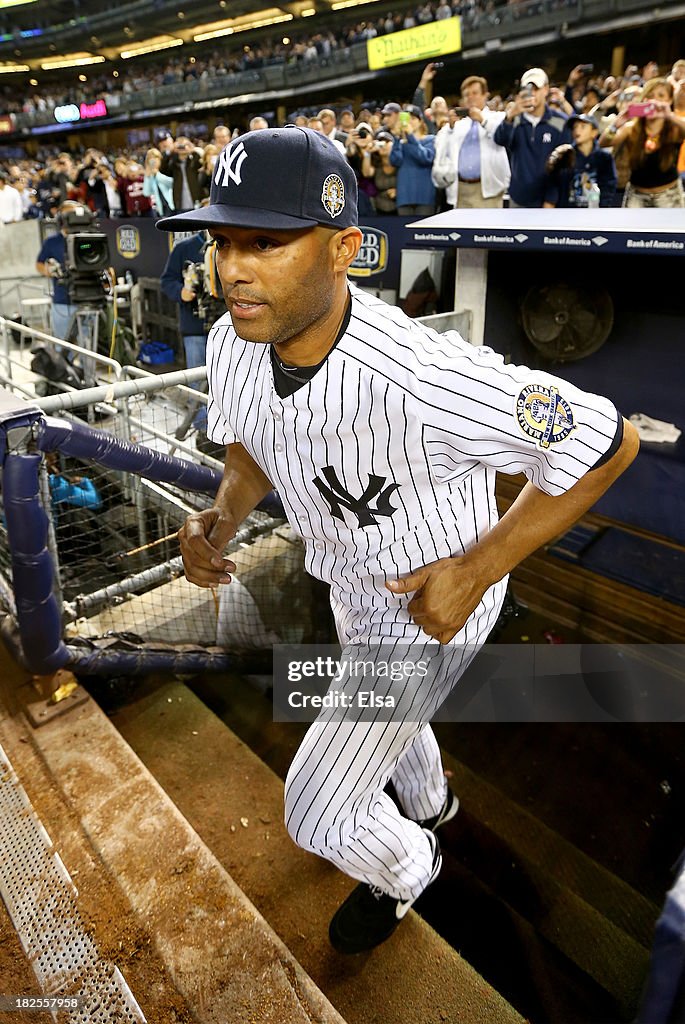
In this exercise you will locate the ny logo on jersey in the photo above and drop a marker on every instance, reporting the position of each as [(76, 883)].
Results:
[(547, 137), (229, 163), (339, 498)]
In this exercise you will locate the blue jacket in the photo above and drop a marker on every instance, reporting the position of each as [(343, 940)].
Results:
[(55, 247), (189, 250), (414, 160), (572, 183), (81, 495), (528, 147)]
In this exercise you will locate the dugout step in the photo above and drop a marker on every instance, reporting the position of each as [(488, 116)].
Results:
[(552, 929), (235, 802), (155, 901)]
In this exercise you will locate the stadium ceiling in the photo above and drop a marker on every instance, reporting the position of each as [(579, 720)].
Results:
[(54, 27)]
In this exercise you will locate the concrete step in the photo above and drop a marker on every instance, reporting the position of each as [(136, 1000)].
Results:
[(235, 802), (545, 923), (154, 899)]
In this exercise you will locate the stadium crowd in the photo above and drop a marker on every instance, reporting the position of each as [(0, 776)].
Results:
[(589, 140), (268, 52)]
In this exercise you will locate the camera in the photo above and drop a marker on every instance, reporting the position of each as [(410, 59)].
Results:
[(87, 255), (203, 279), (438, 65), (363, 133), (404, 117), (527, 90), (586, 69), (461, 111)]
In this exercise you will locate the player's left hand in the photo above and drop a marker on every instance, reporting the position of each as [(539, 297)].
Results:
[(445, 594)]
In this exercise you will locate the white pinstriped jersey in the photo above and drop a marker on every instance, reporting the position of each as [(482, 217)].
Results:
[(386, 460)]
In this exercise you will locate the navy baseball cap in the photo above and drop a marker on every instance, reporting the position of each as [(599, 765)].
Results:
[(278, 178), (585, 118)]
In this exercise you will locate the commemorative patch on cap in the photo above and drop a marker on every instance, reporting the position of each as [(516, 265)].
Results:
[(333, 195), (544, 415)]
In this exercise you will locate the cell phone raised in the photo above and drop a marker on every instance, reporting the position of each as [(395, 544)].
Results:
[(641, 110), (586, 69), (404, 117), (438, 65)]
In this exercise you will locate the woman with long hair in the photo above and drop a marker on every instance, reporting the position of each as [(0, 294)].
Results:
[(651, 142)]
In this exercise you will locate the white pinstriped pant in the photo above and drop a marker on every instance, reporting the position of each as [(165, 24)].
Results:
[(334, 800)]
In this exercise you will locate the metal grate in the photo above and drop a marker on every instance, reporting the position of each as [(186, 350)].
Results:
[(41, 900)]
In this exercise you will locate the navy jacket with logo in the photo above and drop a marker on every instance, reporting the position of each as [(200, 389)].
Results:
[(528, 147)]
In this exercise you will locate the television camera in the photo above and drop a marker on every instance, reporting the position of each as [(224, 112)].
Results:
[(87, 257)]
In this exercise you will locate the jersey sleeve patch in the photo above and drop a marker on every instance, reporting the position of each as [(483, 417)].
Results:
[(544, 415)]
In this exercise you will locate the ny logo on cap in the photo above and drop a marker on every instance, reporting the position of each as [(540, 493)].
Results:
[(231, 159)]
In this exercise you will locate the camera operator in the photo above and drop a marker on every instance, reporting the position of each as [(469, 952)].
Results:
[(179, 283), (51, 263), (183, 166)]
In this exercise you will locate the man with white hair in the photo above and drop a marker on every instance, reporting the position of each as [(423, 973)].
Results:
[(257, 123), (468, 164)]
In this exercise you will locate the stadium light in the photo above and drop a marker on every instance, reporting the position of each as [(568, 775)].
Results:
[(272, 16), (8, 69), (151, 46), (72, 60)]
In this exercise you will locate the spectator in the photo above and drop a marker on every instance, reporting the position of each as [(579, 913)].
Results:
[(677, 73), (412, 154), (359, 152), (316, 124), (132, 188), (157, 186), (390, 115), (574, 169), (469, 165), (11, 206), (529, 133), (652, 143), (330, 127), (384, 174), (112, 192), (258, 123), (183, 165), (210, 155), (221, 136)]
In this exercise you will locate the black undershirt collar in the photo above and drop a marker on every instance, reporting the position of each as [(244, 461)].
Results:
[(289, 379)]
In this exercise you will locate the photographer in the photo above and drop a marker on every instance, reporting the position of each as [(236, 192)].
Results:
[(89, 181), (650, 134), (359, 151), (183, 165), (412, 154), (179, 283), (468, 164), (51, 263), (529, 133)]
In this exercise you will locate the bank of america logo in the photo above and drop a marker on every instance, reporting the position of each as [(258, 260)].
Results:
[(600, 240)]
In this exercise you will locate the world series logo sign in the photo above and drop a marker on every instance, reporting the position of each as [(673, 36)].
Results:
[(128, 241), (544, 415), (372, 257)]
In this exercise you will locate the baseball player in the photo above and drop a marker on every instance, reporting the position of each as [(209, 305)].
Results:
[(383, 439)]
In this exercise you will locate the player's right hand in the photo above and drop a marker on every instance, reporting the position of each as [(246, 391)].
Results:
[(203, 537)]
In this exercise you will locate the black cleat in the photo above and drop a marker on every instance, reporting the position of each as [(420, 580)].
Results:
[(449, 809), (369, 916)]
